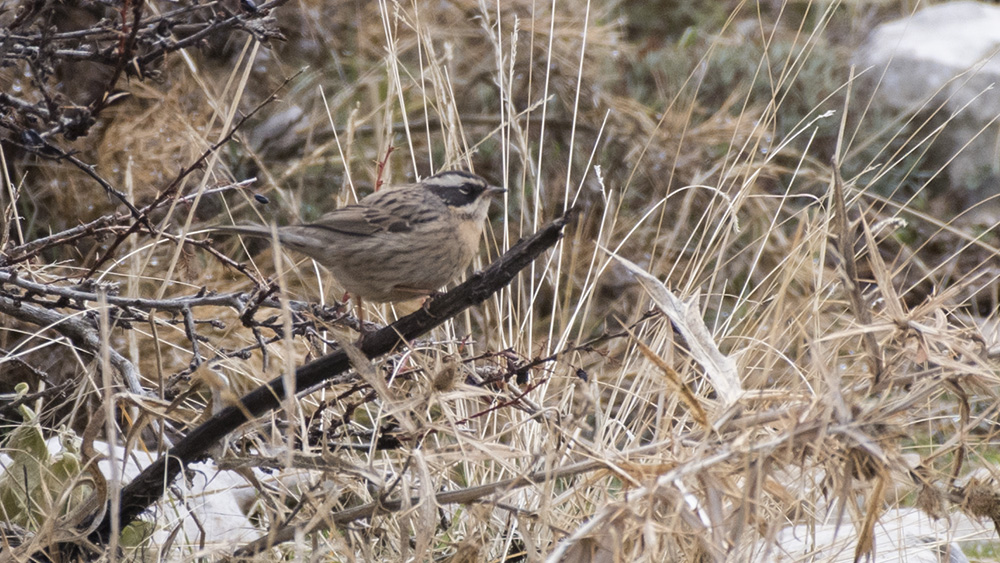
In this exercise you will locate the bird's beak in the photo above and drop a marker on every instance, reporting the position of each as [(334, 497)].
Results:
[(493, 190)]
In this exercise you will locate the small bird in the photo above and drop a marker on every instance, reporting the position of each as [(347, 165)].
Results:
[(396, 244)]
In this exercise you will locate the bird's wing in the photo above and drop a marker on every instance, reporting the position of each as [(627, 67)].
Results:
[(361, 220)]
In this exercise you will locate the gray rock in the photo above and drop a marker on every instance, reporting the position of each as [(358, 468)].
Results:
[(945, 55)]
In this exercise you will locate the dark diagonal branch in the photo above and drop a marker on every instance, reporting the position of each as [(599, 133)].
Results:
[(147, 488)]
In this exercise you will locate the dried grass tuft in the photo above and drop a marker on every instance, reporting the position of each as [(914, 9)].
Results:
[(828, 358)]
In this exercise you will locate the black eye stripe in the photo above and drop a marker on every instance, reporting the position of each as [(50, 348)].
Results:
[(457, 196)]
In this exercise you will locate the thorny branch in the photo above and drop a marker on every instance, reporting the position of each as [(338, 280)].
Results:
[(124, 45), (170, 192), (79, 330), (115, 223), (486, 376), (127, 310), (145, 489)]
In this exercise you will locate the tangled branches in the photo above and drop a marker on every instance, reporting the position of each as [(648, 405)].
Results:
[(69, 59)]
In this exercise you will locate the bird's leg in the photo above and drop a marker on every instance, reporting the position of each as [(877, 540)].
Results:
[(428, 299), (359, 307), (364, 327)]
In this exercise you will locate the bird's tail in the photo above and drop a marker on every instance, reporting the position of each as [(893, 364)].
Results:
[(288, 238), (259, 231)]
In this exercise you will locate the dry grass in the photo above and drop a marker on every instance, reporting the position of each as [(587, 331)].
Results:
[(859, 324)]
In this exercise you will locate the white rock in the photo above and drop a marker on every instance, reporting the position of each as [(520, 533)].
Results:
[(901, 535), (210, 498)]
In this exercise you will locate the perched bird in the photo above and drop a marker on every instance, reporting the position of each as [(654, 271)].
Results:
[(399, 243)]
